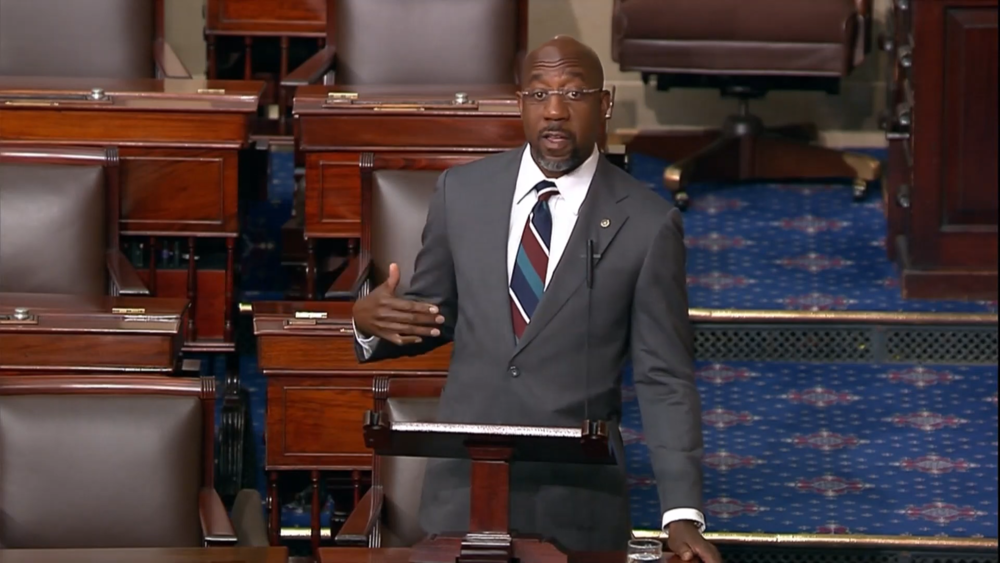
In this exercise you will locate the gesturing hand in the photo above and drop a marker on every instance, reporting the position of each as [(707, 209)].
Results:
[(400, 321), (687, 544)]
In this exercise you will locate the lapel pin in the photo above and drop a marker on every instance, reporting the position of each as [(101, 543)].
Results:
[(605, 223)]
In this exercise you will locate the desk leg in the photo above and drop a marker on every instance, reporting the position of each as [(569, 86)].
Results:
[(212, 72), (283, 71), (192, 285), (310, 269), (247, 58), (274, 509), (314, 520), (152, 265), (230, 274)]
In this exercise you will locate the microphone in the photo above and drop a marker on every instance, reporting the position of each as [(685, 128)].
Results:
[(586, 329)]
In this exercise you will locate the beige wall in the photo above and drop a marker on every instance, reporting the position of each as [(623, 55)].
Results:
[(850, 115)]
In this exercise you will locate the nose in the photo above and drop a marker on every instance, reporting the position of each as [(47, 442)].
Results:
[(556, 108)]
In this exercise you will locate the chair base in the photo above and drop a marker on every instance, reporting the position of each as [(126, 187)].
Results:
[(744, 150)]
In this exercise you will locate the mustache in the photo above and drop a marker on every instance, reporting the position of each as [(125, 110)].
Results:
[(556, 129)]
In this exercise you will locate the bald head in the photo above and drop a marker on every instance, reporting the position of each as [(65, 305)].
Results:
[(567, 54)]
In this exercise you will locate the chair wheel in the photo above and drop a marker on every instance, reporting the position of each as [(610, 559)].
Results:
[(681, 200), (860, 189)]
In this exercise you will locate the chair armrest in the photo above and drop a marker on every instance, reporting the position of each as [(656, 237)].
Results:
[(311, 71), (216, 529), (361, 522), (248, 519), (168, 64), (363, 282), (124, 279)]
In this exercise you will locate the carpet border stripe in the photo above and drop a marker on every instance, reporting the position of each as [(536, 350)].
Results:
[(844, 541), (777, 316)]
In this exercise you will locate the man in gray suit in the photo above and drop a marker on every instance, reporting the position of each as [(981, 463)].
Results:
[(547, 267)]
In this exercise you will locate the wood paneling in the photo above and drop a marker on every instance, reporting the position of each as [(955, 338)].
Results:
[(942, 194), (260, 17)]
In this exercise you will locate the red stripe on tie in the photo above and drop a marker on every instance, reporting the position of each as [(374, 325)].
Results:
[(536, 254), (519, 323)]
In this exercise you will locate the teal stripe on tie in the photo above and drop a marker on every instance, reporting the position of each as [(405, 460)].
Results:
[(529, 272)]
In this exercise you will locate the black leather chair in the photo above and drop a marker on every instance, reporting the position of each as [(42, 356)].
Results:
[(756, 47)]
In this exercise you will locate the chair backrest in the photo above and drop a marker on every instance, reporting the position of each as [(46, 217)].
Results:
[(395, 195), (90, 38), (401, 478), (58, 218), (103, 461), (427, 41), (399, 201)]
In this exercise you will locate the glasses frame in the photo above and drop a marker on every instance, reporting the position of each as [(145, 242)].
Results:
[(556, 91), (559, 91)]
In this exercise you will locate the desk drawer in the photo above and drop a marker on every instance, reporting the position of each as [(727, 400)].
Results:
[(179, 191), (315, 422)]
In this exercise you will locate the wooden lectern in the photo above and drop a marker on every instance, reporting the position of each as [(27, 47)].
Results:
[(491, 448)]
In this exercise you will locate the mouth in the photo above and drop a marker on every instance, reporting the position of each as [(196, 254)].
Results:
[(556, 140)]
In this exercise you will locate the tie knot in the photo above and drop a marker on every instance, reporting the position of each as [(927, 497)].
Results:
[(546, 189)]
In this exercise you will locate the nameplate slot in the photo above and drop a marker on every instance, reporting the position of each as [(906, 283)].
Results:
[(402, 105), (316, 324), (128, 310), (10, 320), (150, 318), (51, 99)]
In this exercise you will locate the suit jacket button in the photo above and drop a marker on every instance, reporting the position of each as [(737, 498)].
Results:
[(513, 371)]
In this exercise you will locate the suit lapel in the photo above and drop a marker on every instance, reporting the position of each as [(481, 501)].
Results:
[(599, 220), (498, 195)]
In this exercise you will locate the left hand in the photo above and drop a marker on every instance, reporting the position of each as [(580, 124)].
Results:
[(687, 543)]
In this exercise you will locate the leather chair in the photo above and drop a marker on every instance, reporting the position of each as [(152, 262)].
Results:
[(388, 514), (94, 461), (59, 213), (398, 201), (387, 42), (92, 38), (395, 195), (746, 48)]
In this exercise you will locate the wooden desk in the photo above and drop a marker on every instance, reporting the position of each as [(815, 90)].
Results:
[(65, 333), (148, 555), (249, 22), (317, 394), (337, 137), (179, 143), (941, 185), (402, 555)]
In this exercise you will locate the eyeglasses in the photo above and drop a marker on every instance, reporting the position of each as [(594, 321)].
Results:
[(540, 96)]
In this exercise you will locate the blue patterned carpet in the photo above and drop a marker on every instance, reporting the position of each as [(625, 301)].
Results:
[(790, 448)]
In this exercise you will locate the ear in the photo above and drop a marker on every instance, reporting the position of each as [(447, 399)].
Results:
[(606, 103)]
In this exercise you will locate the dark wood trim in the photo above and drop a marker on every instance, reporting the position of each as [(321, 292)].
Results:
[(159, 20)]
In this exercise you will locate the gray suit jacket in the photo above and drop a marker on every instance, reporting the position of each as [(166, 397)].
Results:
[(637, 307)]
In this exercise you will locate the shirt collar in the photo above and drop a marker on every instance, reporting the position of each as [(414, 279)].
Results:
[(572, 187)]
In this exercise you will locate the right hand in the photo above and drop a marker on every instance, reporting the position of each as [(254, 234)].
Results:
[(400, 321)]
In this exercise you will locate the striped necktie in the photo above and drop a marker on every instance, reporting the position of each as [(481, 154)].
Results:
[(527, 281)]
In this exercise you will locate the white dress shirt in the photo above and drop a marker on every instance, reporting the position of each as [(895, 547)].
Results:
[(564, 208)]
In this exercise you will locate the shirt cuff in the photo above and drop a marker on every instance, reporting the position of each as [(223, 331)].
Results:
[(684, 514), (367, 343)]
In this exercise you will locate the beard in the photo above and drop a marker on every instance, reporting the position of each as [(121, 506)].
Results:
[(560, 165)]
